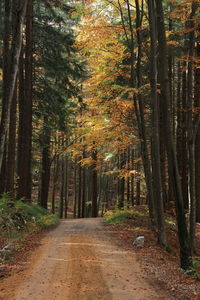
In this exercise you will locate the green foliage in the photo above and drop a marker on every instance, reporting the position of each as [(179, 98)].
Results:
[(171, 224), (19, 219), (117, 216), (192, 273), (20, 216), (48, 221), (196, 261)]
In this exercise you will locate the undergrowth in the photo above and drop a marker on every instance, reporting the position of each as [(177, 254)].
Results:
[(117, 216), (18, 220)]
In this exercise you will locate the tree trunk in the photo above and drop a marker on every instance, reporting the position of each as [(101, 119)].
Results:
[(141, 120), (46, 164), (121, 183), (19, 11), (94, 184), (185, 251), (128, 192), (75, 190), (191, 130), (83, 189), (132, 178), (184, 149), (79, 190), (10, 174), (25, 112), (156, 165), (197, 143), (66, 180), (62, 187), (55, 183)]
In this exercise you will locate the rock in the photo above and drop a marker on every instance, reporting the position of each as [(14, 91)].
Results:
[(139, 241), (6, 250)]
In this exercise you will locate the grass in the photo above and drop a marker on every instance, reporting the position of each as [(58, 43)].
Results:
[(19, 220), (119, 215)]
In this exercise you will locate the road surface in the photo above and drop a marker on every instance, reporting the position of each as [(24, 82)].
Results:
[(79, 260)]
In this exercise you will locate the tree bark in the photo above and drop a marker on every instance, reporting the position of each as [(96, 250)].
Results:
[(10, 170), (94, 184), (156, 165), (19, 11), (185, 251), (25, 112), (191, 129), (46, 164), (79, 190), (197, 142)]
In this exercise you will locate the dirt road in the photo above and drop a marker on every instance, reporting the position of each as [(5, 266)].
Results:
[(80, 261)]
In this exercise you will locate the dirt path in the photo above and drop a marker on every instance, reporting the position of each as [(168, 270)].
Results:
[(80, 261)]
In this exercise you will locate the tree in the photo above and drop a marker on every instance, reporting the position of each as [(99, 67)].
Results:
[(19, 12), (185, 251), (25, 111)]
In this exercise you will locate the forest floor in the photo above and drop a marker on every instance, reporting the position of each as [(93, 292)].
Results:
[(84, 259), (81, 259)]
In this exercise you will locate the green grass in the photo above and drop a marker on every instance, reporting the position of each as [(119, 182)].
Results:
[(170, 224), (19, 219), (118, 216)]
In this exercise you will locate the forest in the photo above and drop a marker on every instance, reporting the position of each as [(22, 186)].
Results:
[(100, 110)]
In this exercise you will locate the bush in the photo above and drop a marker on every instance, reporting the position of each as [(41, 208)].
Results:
[(17, 215), (117, 216)]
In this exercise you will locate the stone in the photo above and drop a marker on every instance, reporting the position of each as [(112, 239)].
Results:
[(139, 241)]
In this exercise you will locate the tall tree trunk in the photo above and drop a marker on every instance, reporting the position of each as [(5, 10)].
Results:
[(83, 189), (128, 192), (55, 183), (191, 129), (62, 187), (197, 143), (141, 119), (6, 81), (46, 164), (25, 120), (94, 184), (185, 251), (179, 126), (156, 165), (79, 190), (66, 190), (75, 190), (19, 11), (184, 149), (121, 182), (10, 172), (3, 171), (132, 177)]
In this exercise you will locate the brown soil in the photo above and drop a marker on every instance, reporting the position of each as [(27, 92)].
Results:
[(80, 260), (161, 267)]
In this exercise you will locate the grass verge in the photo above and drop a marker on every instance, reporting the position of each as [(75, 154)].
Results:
[(118, 216), (18, 220)]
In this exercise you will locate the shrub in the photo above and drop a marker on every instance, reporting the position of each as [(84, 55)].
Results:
[(117, 216), (17, 215)]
